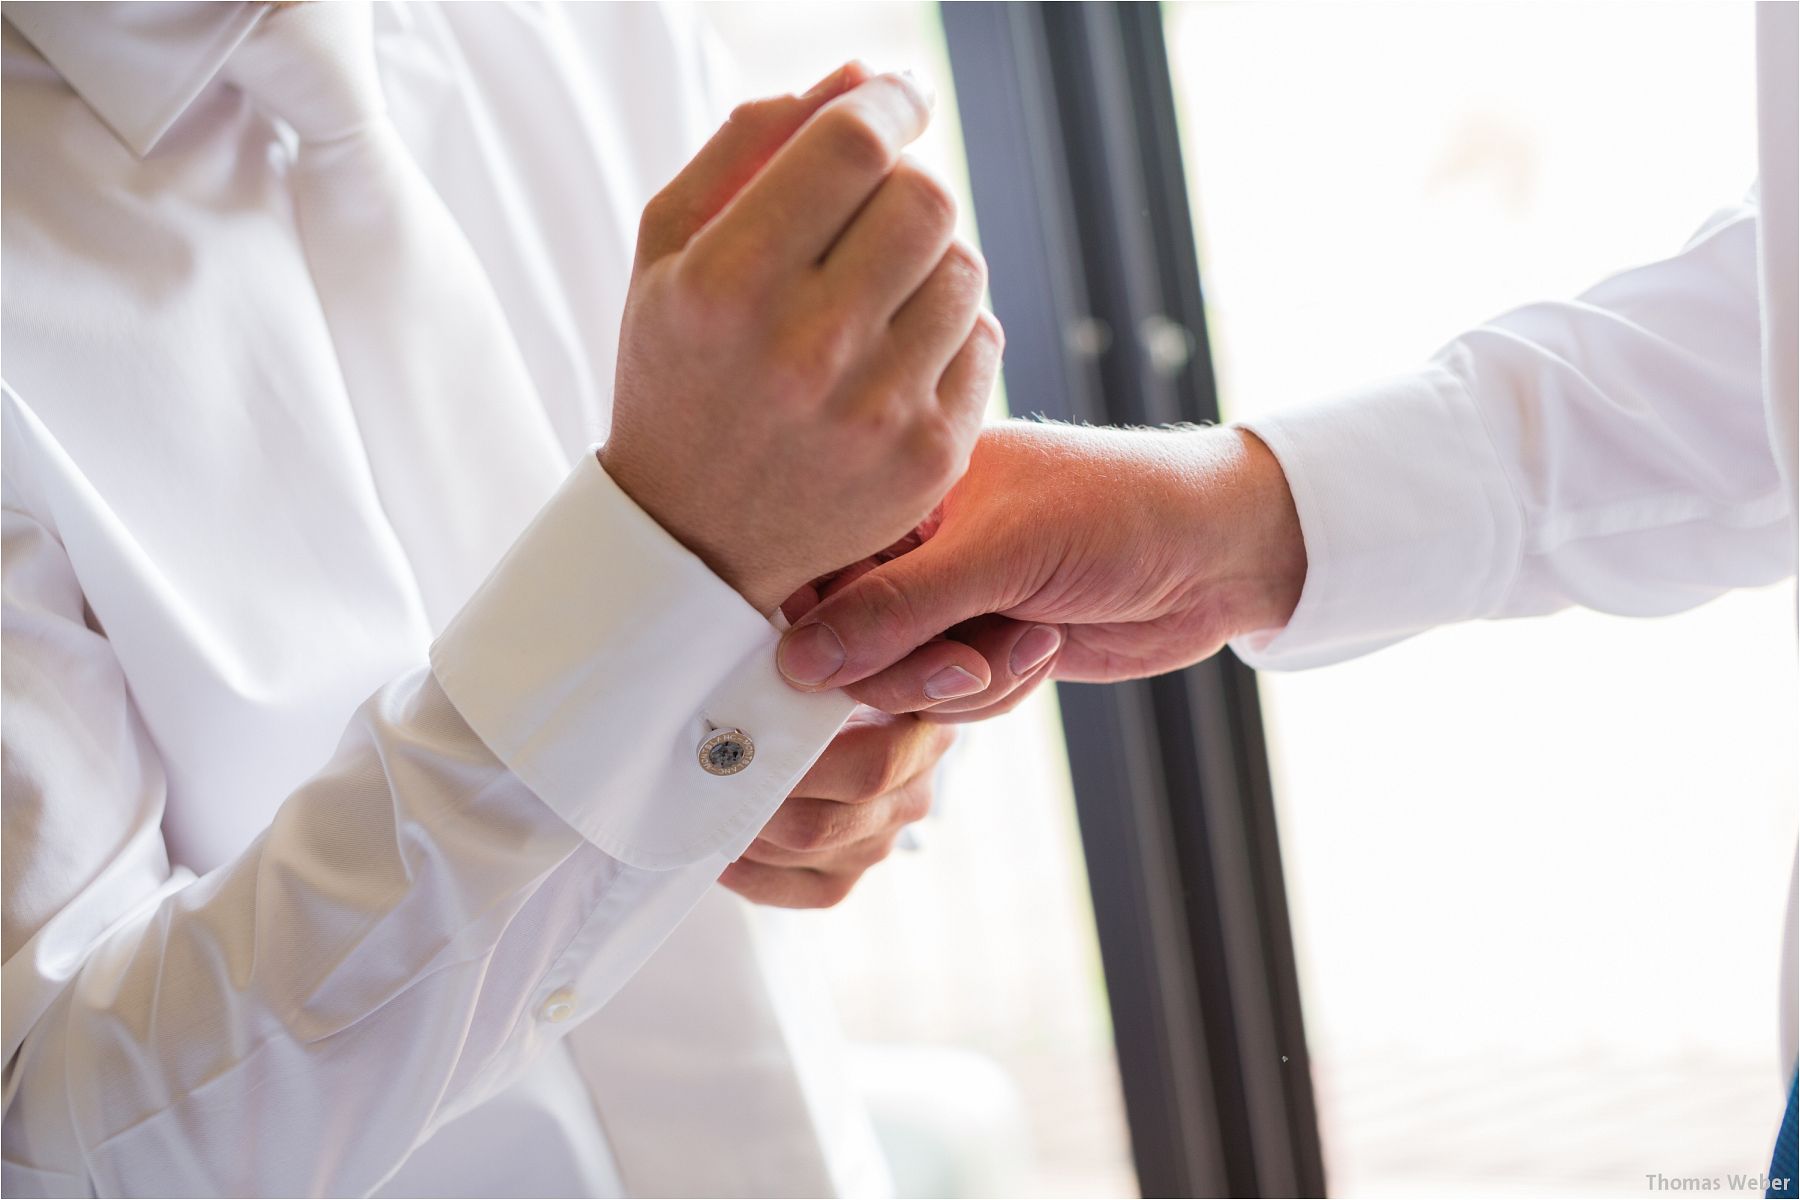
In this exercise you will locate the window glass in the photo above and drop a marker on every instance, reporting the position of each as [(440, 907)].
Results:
[(1537, 868), (965, 970)]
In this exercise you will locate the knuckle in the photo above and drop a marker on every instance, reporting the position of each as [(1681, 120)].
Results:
[(967, 267), (926, 197), (661, 212), (881, 768), (938, 454), (852, 137), (987, 329), (764, 114), (751, 113)]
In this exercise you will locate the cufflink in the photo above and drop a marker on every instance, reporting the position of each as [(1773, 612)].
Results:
[(726, 752)]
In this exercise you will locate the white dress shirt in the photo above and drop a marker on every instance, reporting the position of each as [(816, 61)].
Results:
[(303, 894), (1631, 450)]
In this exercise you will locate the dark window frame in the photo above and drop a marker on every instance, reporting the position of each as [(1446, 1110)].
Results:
[(1069, 116)]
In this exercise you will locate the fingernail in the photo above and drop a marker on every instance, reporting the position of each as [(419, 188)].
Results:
[(810, 654), (926, 92), (824, 85), (952, 683), (1039, 643)]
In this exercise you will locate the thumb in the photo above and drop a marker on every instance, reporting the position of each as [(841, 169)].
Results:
[(882, 617), (756, 130)]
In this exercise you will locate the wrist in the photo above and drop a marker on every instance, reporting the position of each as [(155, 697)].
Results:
[(1241, 510), (762, 589)]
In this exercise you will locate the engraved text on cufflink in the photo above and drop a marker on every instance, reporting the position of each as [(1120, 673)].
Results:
[(727, 752)]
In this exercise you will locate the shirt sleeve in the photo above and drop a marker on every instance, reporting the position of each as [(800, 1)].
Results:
[(1611, 451), (496, 845)]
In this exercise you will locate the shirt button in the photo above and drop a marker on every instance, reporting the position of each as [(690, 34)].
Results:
[(559, 1007), (727, 752)]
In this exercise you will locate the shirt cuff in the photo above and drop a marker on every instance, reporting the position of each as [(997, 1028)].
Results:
[(1406, 510), (601, 654)]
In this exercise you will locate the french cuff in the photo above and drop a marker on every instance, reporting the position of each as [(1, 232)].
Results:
[(1406, 511), (599, 662)]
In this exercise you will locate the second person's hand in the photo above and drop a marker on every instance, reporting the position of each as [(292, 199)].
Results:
[(1079, 553)]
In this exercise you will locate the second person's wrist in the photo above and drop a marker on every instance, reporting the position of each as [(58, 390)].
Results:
[(1249, 554)]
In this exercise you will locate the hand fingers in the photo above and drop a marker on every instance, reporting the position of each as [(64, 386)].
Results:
[(813, 851), (886, 615), (733, 156), (803, 827), (1011, 651), (892, 245), (873, 755), (1004, 705), (809, 594), (938, 319), (941, 670), (795, 209), (852, 858), (823, 833), (787, 887), (968, 381)]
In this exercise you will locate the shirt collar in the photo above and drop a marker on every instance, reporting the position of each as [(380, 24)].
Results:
[(138, 66)]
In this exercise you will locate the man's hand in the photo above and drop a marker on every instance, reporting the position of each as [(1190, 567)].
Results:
[(871, 782), (803, 362), (1087, 554)]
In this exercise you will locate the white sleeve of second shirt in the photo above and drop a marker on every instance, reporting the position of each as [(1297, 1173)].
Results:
[(1611, 452), (496, 846)]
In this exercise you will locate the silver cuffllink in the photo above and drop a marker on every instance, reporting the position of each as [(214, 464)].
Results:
[(726, 752)]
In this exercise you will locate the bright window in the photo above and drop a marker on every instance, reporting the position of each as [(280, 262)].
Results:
[(1537, 868)]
